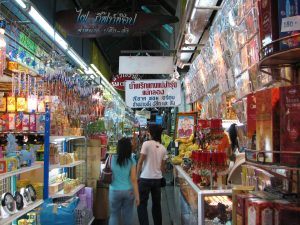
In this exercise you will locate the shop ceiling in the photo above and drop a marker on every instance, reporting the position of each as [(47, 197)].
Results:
[(159, 38), (182, 39)]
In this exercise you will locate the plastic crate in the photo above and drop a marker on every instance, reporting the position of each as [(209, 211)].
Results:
[(83, 215)]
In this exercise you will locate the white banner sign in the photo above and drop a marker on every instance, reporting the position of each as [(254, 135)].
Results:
[(146, 65), (152, 93)]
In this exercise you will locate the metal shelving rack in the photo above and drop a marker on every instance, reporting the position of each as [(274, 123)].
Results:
[(65, 145)]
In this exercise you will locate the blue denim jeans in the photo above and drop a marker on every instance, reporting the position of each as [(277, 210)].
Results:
[(121, 207)]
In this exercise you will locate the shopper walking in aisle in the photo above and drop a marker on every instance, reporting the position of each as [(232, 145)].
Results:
[(151, 163), (124, 187)]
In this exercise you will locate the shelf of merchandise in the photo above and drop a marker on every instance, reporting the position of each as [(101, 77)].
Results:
[(57, 166), (22, 170), (91, 221), (22, 133), (272, 166), (17, 215), (61, 193), (272, 57), (65, 138)]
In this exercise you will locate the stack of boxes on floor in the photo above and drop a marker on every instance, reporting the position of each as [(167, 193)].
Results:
[(94, 157)]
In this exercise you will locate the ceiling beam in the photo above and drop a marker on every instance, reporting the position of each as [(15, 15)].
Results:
[(167, 7)]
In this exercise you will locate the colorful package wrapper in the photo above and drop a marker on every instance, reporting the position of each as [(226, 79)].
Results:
[(32, 122)]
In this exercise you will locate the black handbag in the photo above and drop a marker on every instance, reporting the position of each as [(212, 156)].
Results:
[(163, 182), (106, 174)]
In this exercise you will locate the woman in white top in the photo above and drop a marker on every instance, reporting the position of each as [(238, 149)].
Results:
[(151, 163)]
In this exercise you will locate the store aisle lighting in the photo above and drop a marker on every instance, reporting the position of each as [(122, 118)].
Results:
[(96, 69), (80, 71), (59, 40), (45, 26), (202, 3), (21, 3), (76, 58), (103, 77)]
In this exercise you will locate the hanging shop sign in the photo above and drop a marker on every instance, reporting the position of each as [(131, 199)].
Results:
[(152, 93), (146, 64), (142, 121), (144, 113), (118, 81), (91, 24)]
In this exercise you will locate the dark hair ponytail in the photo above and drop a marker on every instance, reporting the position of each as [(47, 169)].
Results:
[(124, 150)]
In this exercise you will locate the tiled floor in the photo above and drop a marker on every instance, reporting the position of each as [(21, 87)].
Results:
[(167, 212)]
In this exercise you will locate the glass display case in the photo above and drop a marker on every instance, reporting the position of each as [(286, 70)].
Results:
[(195, 205)]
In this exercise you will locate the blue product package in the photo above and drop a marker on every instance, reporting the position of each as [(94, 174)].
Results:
[(59, 213)]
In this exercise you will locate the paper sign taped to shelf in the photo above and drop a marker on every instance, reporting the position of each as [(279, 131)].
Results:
[(152, 93), (290, 24)]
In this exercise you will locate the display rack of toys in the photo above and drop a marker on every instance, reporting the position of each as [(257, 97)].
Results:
[(16, 199)]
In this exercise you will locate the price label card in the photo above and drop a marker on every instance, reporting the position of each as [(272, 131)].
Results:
[(290, 24)]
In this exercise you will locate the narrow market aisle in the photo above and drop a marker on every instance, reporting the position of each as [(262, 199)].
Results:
[(167, 204), (167, 212)]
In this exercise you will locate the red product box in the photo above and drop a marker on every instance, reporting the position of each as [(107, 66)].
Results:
[(290, 124), (3, 168), (251, 115), (5, 123), (216, 123), (19, 124), (259, 212), (268, 24), (32, 122), (11, 121), (286, 213), (203, 124), (25, 122), (241, 207), (267, 124)]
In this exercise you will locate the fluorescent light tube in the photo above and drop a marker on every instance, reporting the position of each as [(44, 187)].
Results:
[(21, 3), (193, 14), (59, 40), (96, 69), (45, 26), (76, 58), (80, 71), (89, 71)]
